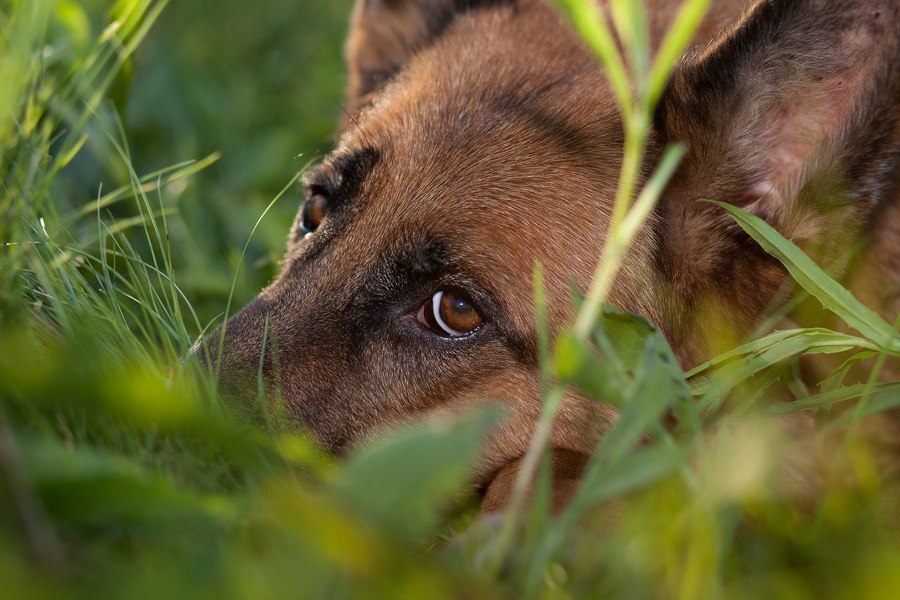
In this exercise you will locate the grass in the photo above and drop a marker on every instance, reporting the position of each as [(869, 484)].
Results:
[(140, 144)]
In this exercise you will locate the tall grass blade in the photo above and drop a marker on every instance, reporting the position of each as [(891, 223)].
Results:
[(816, 281)]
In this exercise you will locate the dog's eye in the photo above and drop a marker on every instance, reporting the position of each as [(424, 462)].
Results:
[(450, 314), (314, 211)]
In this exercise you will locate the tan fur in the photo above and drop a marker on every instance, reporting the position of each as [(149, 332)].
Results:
[(484, 138)]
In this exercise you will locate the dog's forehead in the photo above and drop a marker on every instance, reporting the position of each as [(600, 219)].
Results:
[(502, 110), (504, 146), (507, 76)]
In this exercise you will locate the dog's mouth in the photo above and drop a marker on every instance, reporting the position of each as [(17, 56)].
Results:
[(498, 487)]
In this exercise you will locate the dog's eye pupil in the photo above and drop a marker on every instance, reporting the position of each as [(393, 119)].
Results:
[(450, 314), (314, 211)]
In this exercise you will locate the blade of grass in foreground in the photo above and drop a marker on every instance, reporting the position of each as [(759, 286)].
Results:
[(801, 340), (744, 362), (817, 282), (881, 392), (279, 196), (637, 93)]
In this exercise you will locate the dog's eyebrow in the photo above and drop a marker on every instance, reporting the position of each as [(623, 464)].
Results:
[(341, 175), (340, 178)]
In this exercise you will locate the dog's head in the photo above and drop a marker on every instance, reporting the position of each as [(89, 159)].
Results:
[(482, 138)]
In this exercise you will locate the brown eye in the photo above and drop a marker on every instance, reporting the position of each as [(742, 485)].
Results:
[(450, 314), (314, 211)]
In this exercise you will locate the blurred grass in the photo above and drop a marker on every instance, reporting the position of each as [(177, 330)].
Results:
[(122, 473), (258, 86)]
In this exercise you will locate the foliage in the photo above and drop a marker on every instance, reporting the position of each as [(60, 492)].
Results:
[(140, 143)]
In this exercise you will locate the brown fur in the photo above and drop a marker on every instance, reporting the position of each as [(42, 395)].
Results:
[(483, 138)]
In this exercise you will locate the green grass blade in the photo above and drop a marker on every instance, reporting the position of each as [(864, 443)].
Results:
[(817, 282), (677, 38), (590, 23), (830, 398), (811, 337), (737, 366)]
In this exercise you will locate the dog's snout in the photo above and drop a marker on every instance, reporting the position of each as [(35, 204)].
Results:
[(235, 352)]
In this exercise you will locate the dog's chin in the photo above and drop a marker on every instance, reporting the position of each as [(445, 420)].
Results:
[(566, 468)]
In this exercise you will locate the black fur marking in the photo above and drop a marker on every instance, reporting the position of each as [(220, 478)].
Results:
[(439, 21), (399, 284), (340, 179), (395, 287)]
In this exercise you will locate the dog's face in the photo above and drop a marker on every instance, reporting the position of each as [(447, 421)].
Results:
[(407, 284), (483, 139)]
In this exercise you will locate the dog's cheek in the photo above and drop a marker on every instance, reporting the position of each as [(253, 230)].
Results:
[(580, 422), (348, 398), (442, 376)]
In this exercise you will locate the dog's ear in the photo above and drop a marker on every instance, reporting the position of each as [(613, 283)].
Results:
[(384, 34), (800, 97)]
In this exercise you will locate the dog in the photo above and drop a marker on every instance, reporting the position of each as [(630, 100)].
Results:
[(482, 137)]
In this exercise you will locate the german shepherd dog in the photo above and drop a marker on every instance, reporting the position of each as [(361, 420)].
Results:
[(482, 137)]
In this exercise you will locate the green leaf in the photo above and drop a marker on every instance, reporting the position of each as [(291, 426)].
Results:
[(626, 344), (657, 384), (643, 348), (880, 392), (579, 365), (87, 486), (637, 341), (817, 282), (877, 399), (654, 391), (811, 339), (835, 379), (403, 481), (749, 359), (633, 472)]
